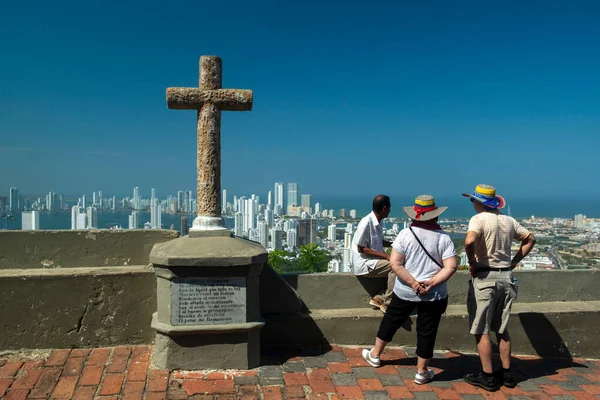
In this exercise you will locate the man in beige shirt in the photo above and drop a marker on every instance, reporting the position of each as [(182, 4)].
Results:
[(492, 289)]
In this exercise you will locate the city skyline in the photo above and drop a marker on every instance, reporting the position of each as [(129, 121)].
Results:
[(444, 88), (458, 208)]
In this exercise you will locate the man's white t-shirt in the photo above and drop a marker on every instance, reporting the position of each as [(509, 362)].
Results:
[(369, 233), (418, 263)]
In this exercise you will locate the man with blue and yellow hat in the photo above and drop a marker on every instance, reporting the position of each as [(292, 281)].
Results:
[(492, 289)]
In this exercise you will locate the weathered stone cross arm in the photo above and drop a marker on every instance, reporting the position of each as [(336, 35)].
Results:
[(195, 98)]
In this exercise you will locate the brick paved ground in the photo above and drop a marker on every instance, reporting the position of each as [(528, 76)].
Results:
[(338, 373)]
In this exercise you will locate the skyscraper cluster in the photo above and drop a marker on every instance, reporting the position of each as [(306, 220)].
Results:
[(84, 218), (274, 224)]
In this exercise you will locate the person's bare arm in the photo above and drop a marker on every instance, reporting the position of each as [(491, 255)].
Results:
[(470, 241), (397, 264), (444, 274), (372, 253), (526, 246)]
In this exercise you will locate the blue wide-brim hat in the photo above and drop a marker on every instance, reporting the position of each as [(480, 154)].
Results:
[(486, 195)]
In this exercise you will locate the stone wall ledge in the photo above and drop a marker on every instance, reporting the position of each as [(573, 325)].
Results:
[(554, 329), (76, 307), (79, 248), (461, 310), (71, 272), (343, 290)]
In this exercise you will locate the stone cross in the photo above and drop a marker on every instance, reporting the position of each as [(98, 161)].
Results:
[(209, 99)]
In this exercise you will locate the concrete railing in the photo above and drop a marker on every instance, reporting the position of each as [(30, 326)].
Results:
[(534, 287), (95, 288), (76, 249), (77, 288)]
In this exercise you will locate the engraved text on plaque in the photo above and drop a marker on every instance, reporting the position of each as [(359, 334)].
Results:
[(208, 301)]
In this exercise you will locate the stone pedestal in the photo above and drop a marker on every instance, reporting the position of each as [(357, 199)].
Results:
[(208, 314)]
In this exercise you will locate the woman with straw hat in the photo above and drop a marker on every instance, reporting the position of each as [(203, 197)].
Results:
[(423, 258)]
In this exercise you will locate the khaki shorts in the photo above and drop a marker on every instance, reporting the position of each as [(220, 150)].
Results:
[(489, 302)]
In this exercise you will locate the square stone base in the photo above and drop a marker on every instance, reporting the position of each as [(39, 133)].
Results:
[(236, 350)]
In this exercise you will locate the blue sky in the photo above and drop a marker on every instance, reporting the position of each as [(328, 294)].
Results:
[(350, 98)]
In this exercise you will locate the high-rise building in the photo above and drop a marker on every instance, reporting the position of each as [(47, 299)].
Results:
[(249, 215), (92, 218), (238, 224), (292, 194), (74, 214), (318, 208), (94, 199), (263, 234), (133, 220), (180, 201), (579, 218), (292, 239), (51, 201), (224, 202), (331, 232), (278, 198), (185, 229), (269, 217), (290, 224), (114, 202), (152, 193), (30, 220), (343, 213), (347, 260), (3, 203), (353, 214), (136, 198), (253, 235), (82, 220), (347, 239), (155, 214), (270, 200), (305, 203), (190, 207), (13, 200), (83, 201), (276, 239), (307, 231), (100, 200)]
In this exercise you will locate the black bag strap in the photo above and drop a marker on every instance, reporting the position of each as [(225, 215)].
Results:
[(424, 249)]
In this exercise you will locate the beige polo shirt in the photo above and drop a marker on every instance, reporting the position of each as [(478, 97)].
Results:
[(495, 233)]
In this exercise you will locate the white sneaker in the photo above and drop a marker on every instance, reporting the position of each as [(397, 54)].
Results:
[(421, 378), (373, 361)]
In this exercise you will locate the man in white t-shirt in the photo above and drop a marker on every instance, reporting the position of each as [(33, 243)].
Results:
[(369, 259)]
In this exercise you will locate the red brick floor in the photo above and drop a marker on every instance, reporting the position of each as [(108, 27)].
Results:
[(331, 373)]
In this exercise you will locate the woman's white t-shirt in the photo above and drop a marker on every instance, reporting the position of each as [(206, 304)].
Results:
[(418, 263)]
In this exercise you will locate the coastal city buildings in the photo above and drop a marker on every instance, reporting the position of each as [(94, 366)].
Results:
[(283, 220), (30, 220)]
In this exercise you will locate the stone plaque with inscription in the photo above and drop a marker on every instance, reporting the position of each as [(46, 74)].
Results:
[(208, 301)]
